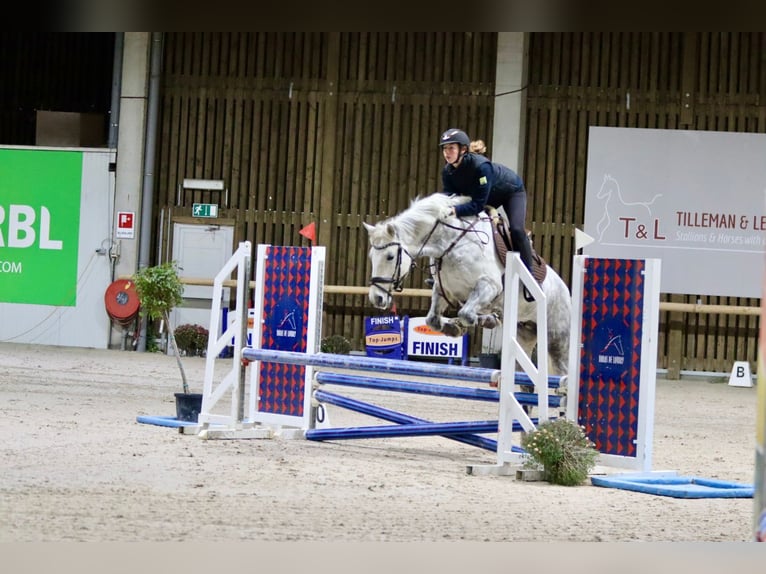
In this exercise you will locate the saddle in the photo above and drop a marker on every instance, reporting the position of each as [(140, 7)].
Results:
[(503, 244)]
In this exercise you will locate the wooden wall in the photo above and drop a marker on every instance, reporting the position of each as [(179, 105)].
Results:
[(338, 128), (334, 128), (691, 81)]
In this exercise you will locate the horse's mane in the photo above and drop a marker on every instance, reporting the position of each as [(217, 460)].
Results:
[(422, 211)]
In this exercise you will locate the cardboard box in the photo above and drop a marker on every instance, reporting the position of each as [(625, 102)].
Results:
[(69, 129)]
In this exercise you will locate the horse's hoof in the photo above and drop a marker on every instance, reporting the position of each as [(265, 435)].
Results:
[(488, 321), (452, 329)]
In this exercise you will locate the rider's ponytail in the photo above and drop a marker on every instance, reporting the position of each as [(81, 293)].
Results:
[(478, 146)]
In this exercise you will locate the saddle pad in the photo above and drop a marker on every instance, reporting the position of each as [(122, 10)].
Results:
[(539, 268), (503, 244)]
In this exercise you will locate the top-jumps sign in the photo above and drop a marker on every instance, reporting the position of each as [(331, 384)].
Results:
[(694, 199)]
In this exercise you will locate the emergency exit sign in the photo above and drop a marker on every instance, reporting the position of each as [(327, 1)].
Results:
[(204, 210)]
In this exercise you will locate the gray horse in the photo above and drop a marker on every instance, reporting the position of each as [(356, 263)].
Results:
[(467, 272)]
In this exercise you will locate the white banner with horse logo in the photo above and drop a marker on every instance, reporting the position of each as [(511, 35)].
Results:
[(694, 199)]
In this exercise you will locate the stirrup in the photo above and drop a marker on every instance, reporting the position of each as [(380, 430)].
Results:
[(430, 282)]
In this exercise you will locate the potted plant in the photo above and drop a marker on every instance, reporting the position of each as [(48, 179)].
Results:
[(159, 290)]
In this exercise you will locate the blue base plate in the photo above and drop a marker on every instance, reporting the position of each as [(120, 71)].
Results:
[(164, 421), (664, 484)]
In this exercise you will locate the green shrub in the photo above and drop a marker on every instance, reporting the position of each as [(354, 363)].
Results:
[(159, 289), (337, 344), (192, 339), (562, 449)]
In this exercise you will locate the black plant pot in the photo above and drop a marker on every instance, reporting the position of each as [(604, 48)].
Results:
[(188, 406), (489, 360)]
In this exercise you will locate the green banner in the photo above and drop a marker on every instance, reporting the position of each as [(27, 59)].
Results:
[(39, 226)]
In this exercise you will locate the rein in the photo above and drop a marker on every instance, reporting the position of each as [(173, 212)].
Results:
[(395, 283), (438, 260)]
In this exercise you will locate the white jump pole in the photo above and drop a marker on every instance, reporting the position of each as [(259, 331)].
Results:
[(510, 410), (232, 381), (234, 425)]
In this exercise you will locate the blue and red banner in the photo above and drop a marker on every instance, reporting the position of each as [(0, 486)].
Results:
[(285, 323), (610, 356)]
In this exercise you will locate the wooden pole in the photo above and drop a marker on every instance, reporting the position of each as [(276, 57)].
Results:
[(355, 290), (709, 309)]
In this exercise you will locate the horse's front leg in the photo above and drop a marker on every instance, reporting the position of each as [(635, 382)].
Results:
[(435, 317), (474, 310)]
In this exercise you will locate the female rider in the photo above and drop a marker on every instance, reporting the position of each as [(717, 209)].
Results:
[(486, 183)]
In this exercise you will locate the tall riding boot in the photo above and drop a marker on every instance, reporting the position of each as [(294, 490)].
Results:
[(524, 248)]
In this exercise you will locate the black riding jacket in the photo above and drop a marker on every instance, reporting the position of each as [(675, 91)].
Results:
[(476, 176)]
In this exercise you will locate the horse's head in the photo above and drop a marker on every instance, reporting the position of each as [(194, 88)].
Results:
[(391, 261), (607, 187)]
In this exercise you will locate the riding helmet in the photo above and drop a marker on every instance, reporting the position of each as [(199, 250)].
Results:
[(454, 135)]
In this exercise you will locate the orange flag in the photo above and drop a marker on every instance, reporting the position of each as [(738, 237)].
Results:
[(309, 232)]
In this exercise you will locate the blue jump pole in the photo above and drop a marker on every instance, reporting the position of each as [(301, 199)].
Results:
[(385, 366), (489, 395), (328, 378), (396, 417), (554, 381), (390, 415), (383, 431), (418, 427)]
